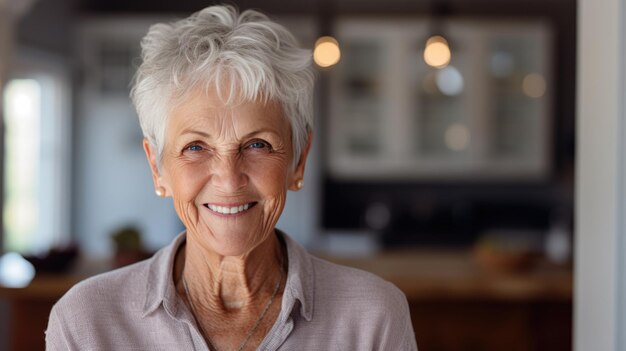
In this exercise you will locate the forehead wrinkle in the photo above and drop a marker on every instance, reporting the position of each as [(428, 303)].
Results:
[(223, 122), (203, 111)]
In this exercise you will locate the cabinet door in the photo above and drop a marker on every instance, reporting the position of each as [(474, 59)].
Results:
[(471, 325)]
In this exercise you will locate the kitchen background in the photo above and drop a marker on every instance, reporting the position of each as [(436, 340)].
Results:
[(445, 145)]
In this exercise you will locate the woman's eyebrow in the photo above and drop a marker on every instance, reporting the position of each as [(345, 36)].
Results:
[(259, 131), (196, 132), (248, 135)]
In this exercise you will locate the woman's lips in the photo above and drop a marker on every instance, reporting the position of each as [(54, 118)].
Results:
[(230, 209)]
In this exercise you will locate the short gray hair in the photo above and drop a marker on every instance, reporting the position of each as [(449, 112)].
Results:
[(246, 56)]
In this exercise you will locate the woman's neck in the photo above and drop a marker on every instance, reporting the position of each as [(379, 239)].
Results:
[(230, 283)]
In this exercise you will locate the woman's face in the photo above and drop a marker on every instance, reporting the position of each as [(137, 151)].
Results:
[(228, 169)]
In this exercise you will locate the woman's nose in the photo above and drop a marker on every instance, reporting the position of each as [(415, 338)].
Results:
[(228, 174)]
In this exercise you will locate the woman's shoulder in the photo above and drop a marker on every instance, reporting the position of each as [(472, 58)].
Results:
[(341, 283), (122, 286), (361, 307), (94, 292), (353, 283)]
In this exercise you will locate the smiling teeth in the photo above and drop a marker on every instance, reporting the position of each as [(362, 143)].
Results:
[(228, 210)]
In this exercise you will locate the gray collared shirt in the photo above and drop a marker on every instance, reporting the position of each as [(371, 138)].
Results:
[(324, 307)]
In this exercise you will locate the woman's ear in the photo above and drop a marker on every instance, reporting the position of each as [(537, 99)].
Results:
[(156, 176), (297, 178)]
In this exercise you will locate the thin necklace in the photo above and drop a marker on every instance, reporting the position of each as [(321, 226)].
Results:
[(254, 327)]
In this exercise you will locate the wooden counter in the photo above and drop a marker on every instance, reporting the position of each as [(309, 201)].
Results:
[(424, 275)]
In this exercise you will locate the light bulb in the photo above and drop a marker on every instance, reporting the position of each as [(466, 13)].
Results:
[(326, 52), (437, 52)]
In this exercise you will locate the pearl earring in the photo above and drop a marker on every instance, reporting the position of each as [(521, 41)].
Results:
[(299, 183), (160, 191)]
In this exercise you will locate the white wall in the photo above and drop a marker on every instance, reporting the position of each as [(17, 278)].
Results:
[(600, 177), (113, 183)]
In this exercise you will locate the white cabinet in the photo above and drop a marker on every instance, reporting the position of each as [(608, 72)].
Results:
[(485, 116)]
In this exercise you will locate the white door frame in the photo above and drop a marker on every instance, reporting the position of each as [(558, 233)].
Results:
[(600, 263)]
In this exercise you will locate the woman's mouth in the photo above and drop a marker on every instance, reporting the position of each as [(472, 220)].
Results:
[(230, 210)]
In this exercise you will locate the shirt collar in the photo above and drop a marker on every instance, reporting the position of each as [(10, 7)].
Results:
[(161, 290), (300, 278)]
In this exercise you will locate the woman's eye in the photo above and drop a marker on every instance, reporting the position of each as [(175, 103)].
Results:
[(259, 144), (194, 147)]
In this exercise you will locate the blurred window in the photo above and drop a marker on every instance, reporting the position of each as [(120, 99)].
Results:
[(36, 206)]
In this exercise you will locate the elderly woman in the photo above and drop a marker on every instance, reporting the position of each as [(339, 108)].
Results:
[(224, 102)]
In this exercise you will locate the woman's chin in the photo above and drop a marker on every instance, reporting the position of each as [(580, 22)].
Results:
[(230, 242), (231, 235)]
